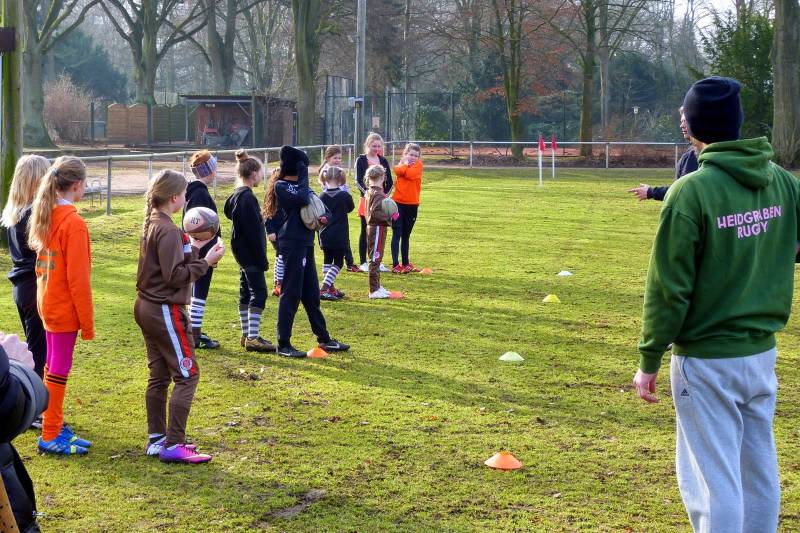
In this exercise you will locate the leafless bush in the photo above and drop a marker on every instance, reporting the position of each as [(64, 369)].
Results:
[(66, 110)]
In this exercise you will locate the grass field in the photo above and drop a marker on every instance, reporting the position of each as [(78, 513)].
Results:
[(392, 435)]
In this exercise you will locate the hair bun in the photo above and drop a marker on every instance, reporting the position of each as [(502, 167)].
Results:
[(241, 155)]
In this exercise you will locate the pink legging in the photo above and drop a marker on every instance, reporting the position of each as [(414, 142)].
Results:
[(60, 347)]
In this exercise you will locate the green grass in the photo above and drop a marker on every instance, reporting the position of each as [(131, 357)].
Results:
[(396, 430)]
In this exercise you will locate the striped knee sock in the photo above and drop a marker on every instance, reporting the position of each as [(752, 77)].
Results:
[(325, 269), (53, 416), (244, 320), (278, 269), (330, 276), (254, 318), (197, 309)]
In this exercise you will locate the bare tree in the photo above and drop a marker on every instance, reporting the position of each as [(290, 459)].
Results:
[(46, 22), (264, 54), (786, 74), (150, 28)]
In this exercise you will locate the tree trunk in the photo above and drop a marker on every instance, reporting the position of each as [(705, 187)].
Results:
[(604, 56), (146, 67), (786, 80), (36, 134), (588, 63), (220, 49), (11, 105), (306, 14)]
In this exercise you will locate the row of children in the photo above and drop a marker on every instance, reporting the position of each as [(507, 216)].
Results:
[(50, 250)]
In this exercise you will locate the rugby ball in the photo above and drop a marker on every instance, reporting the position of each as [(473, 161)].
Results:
[(201, 223), (389, 207)]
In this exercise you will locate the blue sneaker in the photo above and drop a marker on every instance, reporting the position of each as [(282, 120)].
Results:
[(61, 445), (66, 432)]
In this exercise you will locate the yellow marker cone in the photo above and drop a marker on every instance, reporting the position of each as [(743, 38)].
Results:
[(551, 299), (317, 353), (503, 461)]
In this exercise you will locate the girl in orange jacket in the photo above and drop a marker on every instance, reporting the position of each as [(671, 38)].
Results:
[(64, 292), (406, 194)]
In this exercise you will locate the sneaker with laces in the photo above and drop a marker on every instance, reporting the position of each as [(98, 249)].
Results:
[(383, 268), (205, 342), (291, 351), (68, 433), (364, 267), (276, 291), (181, 453), (37, 423), (398, 269), (337, 292), (258, 344), (61, 445), (328, 295), (353, 268), (334, 346), (152, 449), (380, 293), (410, 268)]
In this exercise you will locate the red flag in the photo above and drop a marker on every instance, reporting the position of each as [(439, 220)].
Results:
[(541, 143), (553, 145)]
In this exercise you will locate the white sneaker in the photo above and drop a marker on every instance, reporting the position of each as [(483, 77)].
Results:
[(380, 293), (383, 268), (364, 267), (154, 448)]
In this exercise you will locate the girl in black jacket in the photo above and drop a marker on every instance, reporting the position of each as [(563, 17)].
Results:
[(335, 235), (249, 247), (373, 155), (290, 193), (204, 168)]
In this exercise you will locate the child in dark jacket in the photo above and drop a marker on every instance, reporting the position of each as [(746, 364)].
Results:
[(290, 193), (249, 247), (335, 235), (373, 155), (204, 168)]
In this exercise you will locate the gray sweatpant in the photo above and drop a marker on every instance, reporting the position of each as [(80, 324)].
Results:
[(725, 457)]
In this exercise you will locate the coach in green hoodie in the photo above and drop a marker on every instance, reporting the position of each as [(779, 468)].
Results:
[(719, 286)]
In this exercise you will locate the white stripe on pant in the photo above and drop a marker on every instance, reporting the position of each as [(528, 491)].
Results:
[(725, 457)]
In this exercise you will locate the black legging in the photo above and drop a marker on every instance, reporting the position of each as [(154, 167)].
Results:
[(401, 231)]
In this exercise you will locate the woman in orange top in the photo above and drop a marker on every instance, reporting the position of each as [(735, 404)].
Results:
[(406, 194), (64, 292)]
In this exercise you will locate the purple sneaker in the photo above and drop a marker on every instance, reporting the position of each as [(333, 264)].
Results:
[(181, 454)]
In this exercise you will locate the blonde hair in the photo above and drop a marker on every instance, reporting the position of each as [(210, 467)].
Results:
[(162, 187), (334, 177), (375, 174), (412, 147), (372, 137), (270, 206), (27, 173), (246, 165), (65, 172)]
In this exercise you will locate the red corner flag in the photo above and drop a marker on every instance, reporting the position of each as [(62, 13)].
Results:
[(553, 145), (541, 143)]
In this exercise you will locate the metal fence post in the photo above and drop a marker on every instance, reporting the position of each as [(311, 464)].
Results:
[(607, 149), (108, 189), (321, 155), (676, 155), (183, 162), (392, 146), (215, 183), (349, 157), (266, 158), (150, 167), (470, 154)]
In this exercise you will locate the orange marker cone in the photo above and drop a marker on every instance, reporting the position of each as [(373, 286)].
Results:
[(396, 295), (503, 461), (317, 353), (426, 271)]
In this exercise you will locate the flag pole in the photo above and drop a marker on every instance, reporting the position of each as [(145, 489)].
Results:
[(541, 145)]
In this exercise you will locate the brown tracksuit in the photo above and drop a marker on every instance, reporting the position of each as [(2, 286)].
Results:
[(377, 227), (168, 265)]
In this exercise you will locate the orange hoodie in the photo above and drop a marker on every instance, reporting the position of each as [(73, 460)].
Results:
[(63, 268), (408, 184)]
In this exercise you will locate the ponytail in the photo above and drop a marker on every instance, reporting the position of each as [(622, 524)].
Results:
[(270, 206), (63, 174)]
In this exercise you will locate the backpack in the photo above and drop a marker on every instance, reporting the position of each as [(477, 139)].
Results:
[(311, 213)]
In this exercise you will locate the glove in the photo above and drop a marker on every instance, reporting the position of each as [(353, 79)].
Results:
[(395, 216)]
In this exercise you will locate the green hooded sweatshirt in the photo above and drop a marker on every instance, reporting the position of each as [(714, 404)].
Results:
[(721, 270)]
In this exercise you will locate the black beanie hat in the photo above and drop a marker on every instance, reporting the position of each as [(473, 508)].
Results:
[(290, 156), (713, 110)]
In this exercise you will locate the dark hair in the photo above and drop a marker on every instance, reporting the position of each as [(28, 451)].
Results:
[(246, 164)]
